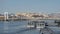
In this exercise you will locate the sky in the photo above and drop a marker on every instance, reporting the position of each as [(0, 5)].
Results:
[(37, 6)]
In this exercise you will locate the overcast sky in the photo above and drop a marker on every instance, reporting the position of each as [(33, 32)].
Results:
[(44, 6)]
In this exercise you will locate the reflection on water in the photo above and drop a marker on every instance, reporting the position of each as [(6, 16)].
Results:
[(55, 29), (9, 26), (16, 27)]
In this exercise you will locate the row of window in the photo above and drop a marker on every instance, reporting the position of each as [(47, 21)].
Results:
[(39, 24)]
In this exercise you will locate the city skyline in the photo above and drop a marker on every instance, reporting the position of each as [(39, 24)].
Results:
[(43, 6)]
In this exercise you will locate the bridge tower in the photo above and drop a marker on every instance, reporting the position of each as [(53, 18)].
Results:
[(5, 22), (5, 15)]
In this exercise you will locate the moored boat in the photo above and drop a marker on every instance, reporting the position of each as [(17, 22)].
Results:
[(36, 24)]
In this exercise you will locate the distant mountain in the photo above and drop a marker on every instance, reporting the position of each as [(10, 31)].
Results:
[(54, 15)]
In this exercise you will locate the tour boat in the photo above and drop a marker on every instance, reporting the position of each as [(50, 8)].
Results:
[(36, 24)]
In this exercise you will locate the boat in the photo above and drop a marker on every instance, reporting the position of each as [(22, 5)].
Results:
[(36, 24)]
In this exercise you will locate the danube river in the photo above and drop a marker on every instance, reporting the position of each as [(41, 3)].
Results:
[(18, 27)]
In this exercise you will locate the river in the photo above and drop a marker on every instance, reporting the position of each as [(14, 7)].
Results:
[(16, 27)]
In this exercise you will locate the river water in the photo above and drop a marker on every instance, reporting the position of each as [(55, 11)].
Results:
[(16, 27)]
